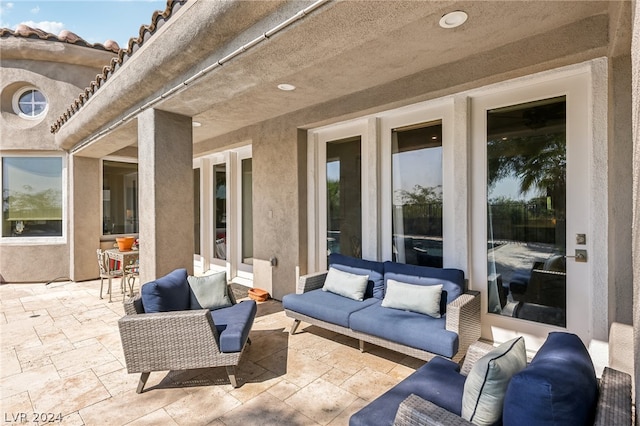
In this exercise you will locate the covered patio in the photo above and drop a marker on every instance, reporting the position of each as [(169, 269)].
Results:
[(61, 355)]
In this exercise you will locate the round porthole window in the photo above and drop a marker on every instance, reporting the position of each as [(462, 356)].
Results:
[(29, 103)]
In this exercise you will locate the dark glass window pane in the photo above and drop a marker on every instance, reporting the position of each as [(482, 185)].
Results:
[(119, 198), (247, 211), (344, 197), (220, 209), (196, 211), (526, 187), (416, 164)]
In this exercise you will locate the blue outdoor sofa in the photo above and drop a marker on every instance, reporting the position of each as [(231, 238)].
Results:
[(447, 330), (558, 387)]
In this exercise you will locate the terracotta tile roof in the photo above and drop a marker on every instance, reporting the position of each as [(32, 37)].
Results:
[(65, 36), (146, 31)]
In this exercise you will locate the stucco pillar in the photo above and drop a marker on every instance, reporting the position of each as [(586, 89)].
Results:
[(165, 169), (84, 217), (635, 114)]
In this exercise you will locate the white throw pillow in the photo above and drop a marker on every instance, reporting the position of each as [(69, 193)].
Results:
[(209, 291), (487, 382), (424, 299), (346, 284)]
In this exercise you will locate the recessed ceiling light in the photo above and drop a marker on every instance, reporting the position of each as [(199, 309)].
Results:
[(286, 87), (196, 123), (453, 19)]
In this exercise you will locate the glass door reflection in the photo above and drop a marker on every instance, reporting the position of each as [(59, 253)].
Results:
[(344, 197), (526, 211)]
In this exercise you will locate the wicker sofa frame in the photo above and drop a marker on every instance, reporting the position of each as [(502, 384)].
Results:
[(463, 318), (614, 402), (178, 340)]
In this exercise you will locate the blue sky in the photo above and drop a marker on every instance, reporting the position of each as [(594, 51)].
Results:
[(96, 21)]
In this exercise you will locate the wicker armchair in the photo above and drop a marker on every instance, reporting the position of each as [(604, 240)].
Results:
[(176, 340)]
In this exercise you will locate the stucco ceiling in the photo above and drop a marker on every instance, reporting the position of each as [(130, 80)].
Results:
[(342, 48)]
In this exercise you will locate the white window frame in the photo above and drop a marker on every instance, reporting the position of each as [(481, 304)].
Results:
[(243, 271), (236, 270), (317, 187), (16, 103), (118, 160), (439, 110), (54, 240), (580, 85), (201, 261)]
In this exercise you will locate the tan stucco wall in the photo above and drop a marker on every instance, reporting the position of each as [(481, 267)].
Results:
[(34, 263), (280, 165), (635, 58), (61, 71), (85, 197), (620, 204)]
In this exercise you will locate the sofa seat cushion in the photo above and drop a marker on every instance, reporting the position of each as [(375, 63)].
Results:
[(325, 306), (407, 328), (375, 271), (233, 325), (452, 280), (559, 387), (168, 293), (437, 381)]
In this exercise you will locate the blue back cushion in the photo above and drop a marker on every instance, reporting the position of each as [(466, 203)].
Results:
[(452, 280), (559, 387), (375, 270), (168, 293)]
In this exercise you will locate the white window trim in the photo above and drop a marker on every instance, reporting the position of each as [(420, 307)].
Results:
[(236, 270), (459, 168), (16, 103), (24, 241), (439, 110), (243, 270), (580, 84), (317, 187), (108, 237)]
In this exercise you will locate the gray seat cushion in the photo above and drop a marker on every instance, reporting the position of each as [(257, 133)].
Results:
[(408, 328), (325, 306)]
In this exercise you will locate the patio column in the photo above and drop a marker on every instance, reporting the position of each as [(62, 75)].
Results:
[(165, 170), (84, 217)]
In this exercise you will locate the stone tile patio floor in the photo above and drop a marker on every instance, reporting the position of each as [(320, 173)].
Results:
[(61, 354)]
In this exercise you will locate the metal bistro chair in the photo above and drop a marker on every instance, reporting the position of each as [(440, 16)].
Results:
[(107, 272), (131, 272)]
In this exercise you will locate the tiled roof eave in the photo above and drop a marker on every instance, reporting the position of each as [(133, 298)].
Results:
[(146, 31)]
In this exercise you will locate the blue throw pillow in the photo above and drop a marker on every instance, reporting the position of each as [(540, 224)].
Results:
[(559, 387), (168, 293)]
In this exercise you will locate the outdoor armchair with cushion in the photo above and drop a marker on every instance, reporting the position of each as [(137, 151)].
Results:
[(179, 322)]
